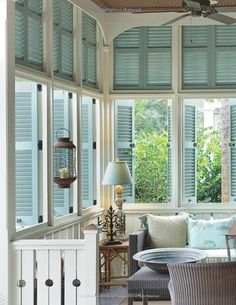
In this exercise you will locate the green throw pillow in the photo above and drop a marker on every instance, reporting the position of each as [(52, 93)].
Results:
[(208, 234)]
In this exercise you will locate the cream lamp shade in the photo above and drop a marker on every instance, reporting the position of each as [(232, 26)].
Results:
[(117, 173)]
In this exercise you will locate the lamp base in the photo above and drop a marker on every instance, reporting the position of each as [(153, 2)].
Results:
[(112, 242)]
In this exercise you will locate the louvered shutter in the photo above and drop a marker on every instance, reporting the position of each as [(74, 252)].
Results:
[(127, 59), (195, 57), (60, 120), (159, 57), (232, 146), (87, 151), (124, 140), (63, 38), (29, 33), (225, 63), (89, 50), (169, 165), (189, 153), (26, 155)]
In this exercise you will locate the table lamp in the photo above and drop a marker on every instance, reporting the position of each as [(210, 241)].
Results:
[(117, 173)]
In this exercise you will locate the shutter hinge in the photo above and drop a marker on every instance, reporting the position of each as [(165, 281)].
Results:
[(70, 210), (131, 145), (40, 145), (70, 95), (39, 87), (40, 219), (95, 202), (94, 145), (94, 101)]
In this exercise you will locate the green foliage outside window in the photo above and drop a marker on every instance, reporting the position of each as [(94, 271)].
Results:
[(151, 156)]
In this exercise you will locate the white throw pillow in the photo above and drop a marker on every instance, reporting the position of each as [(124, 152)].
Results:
[(167, 231)]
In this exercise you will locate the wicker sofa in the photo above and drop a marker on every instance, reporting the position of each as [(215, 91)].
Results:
[(215, 246)]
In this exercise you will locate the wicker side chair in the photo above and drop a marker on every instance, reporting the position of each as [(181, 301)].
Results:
[(203, 283)]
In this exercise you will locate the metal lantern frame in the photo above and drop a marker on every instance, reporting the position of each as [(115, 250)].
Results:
[(64, 160)]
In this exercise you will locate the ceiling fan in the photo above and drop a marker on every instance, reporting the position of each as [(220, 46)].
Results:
[(196, 8), (205, 8)]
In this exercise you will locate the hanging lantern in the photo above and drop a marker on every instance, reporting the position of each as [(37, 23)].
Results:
[(64, 161)]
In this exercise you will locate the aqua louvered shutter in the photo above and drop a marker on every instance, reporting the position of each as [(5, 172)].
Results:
[(169, 164), (29, 33), (63, 38), (189, 153), (159, 57), (232, 146), (142, 58), (89, 50), (195, 57), (225, 62), (127, 59), (60, 120), (26, 164), (124, 140), (87, 151)]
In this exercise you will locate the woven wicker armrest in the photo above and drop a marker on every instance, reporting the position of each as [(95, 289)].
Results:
[(137, 242)]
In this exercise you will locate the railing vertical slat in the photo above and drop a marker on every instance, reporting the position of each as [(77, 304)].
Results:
[(55, 275), (42, 276), (16, 266), (81, 275), (70, 276), (28, 274)]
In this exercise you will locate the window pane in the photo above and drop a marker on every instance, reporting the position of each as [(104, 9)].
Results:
[(209, 150), (143, 139), (26, 170), (61, 196)]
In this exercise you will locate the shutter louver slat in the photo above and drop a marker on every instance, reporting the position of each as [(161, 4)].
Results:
[(233, 152), (35, 6), (159, 68), (124, 133), (225, 35), (19, 35), (63, 38), (225, 67), (56, 50), (25, 154), (89, 50), (128, 39), (189, 153), (67, 54), (87, 152), (159, 36), (29, 33), (195, 36), (195, 67), (127, 69), (169, 165), (35, 41), (66, 15)]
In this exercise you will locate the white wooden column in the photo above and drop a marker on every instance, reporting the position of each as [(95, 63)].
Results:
[(90, 270), (7, 167)]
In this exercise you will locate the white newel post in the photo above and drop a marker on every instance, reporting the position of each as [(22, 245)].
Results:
[(90, 280), (7, 65)]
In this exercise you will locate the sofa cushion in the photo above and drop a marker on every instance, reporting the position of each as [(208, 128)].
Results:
[(208, 234), (167, 231)]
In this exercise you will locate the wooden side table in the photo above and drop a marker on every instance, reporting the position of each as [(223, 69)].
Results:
[(108, 254)]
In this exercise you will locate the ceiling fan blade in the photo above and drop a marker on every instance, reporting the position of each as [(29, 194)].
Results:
[(175, 19), (226, 9), (221, 18)]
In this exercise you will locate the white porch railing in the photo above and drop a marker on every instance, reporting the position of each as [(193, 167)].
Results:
[(55, 272)]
